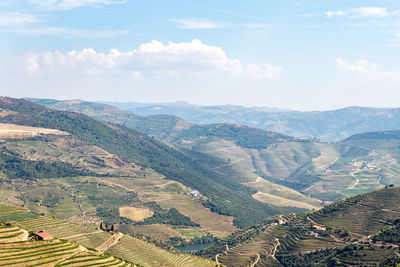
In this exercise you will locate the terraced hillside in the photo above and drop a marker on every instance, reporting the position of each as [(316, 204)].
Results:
[(146, 254), (364, 214), (35, 253), (354, 231), (76, 245), (88, 258), (85, 236)]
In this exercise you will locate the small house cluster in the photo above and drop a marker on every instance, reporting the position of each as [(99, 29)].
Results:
[(193, 192), (279, 220)]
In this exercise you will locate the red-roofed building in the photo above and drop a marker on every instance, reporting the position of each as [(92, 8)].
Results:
[(41, 235)]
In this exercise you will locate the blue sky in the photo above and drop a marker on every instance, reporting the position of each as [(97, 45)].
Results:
[(303, 54)]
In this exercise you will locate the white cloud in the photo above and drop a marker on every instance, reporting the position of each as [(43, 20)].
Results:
[(362, 12), (257, 25), (29, 24), (70, 4), (195, 24), (17, 19), (367, 71), (150, 60), (372, 11), (70, 33)]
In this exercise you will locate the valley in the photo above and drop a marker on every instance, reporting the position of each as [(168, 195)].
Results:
[(188, 189)]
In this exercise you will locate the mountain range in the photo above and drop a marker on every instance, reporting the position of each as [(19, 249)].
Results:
[(332, 125)]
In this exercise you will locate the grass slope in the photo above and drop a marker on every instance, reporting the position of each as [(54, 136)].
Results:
[(223, 196)]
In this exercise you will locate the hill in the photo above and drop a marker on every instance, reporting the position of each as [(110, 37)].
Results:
[(253, 157), (283, 170), (126, 148), (332, 125), (355, 231), (75, 245)]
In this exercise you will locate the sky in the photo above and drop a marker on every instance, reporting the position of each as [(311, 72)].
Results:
[(302, 55)]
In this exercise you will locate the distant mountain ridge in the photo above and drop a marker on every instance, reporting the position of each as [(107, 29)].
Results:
[(332, 125)]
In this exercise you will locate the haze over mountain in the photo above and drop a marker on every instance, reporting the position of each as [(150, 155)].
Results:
[(332, 125), (281, 168)]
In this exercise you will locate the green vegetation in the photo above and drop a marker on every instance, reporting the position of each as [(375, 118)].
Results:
[(348, 256), (390, 235), (242, 136), (223, 196), (13, 166), (207, 239), (172, 216)]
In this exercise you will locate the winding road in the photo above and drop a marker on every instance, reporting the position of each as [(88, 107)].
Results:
[(356, 183), (258, 258)]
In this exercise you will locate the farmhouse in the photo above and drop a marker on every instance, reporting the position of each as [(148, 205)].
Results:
[(41, 235)]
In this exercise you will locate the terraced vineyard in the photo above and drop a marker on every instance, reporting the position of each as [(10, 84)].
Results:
[(36, 252), (365, 214), (82, 235), (11, 212), (246, 254), (71, 252), (87, 258), (146, 254), (337, 235), (9, 233)]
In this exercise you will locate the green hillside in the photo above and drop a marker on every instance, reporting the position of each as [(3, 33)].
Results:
[(255, 158), (282, 170), (359, 230), (222, 195)]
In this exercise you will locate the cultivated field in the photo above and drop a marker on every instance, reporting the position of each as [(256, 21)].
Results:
[(169, 194), (163, 231), (146, 254), (82, 235), (19, 131), (361, 215), (210, 222), (34, 253), (135, 214), (88, 258)]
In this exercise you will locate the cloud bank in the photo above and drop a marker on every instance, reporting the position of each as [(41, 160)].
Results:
[(367, 71), (363, 12), (30, 24), (70, 4), (151, 60), (196, 24)]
